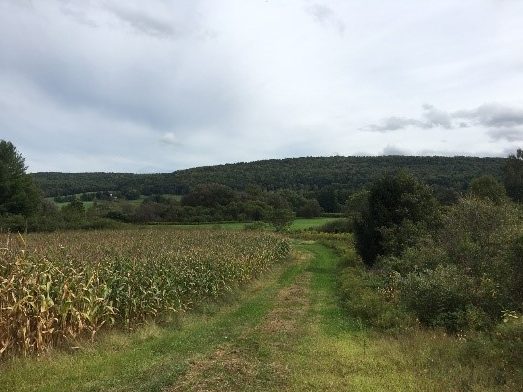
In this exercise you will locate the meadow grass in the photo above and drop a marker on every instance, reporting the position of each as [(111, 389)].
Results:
[(296, 225), (309, 223)]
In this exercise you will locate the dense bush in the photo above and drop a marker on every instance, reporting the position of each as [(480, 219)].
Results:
[(467, 272), (487, 187), (398, 210), (336, 226), (310, 209)]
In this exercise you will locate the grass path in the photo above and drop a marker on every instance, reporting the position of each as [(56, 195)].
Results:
[(285, 333)]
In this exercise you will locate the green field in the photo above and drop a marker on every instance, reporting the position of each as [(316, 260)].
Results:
[(309, 223), (89, 204), (296, 225)]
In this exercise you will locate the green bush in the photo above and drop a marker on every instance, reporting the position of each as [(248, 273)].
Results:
[(336, 226), (468, 271), (363, 300), (12, 222), (489, 188), (398, 209), (442, 298)]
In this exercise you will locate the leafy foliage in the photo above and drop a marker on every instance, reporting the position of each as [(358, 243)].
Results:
[(281, 218), (344, 175), (487, 187), (468, 271), (397, 208), (18, 195)]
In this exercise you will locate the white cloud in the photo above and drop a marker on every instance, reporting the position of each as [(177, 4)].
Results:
[(487, 116), (169, 138)]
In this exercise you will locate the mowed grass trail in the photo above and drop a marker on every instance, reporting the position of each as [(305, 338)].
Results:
[(296, 225), (286, 332)]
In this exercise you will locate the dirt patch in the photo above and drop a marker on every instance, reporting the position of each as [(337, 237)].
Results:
[(301, 257), (290, 306), (226, 369)]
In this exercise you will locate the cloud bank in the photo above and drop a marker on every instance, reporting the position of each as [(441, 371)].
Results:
[(506, 120), (114, 85)]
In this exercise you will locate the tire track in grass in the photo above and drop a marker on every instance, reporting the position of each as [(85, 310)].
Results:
[(256, 361)]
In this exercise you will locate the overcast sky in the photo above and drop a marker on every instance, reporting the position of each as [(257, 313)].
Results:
[(147, 86)]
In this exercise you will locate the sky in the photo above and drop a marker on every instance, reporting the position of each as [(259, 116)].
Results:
[(162, 85)]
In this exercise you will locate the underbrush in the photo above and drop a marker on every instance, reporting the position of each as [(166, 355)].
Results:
[(471, 360), (342, 225)]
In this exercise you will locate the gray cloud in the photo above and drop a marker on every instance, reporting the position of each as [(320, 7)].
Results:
[(493, 115), (78, 13), (487, 115), (326, 16), (169, 138), (394, 150), (394, 124), (434, 117), (508, 134), (142, 22), (431, 118)]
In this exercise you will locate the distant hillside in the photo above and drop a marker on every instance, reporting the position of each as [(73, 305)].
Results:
[(310, 173)]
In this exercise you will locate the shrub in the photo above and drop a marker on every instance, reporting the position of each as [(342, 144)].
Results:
[(468, 271), (256, 226), (336, 226), (363, 300), (487, 187), (310, 209), (441, 298)]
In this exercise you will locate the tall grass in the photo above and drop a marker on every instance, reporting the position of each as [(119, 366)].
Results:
[(55, 288)]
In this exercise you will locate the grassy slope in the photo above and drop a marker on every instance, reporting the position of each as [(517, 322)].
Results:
[(286, 333), (307, 223)]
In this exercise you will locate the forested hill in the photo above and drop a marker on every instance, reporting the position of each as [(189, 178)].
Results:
[(310, 173)]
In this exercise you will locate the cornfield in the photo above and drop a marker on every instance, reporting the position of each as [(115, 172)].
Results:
[(56, 288)]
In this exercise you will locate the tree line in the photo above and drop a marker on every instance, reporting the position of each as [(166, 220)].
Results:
[(302, 187), (343, 174)]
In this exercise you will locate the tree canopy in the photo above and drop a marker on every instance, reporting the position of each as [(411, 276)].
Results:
[(320, 175), (487, 187), (18, 194), (396, 207)]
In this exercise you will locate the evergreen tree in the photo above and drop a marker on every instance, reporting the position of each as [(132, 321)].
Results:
[(18, 194), (513, 176)]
